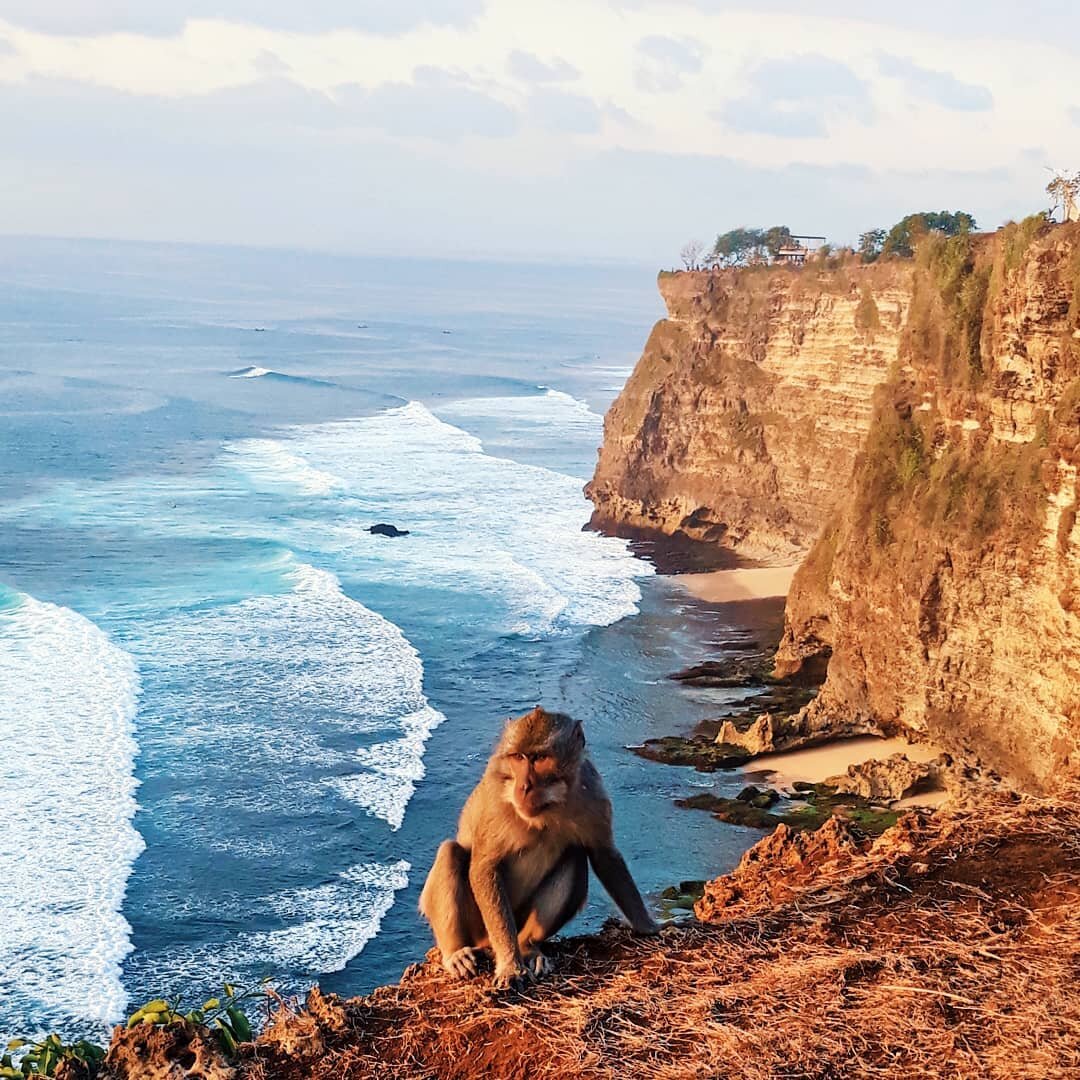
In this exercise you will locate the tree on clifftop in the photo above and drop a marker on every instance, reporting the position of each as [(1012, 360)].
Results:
[(870, 244), (903, 235), (737, 247), (691, 254)]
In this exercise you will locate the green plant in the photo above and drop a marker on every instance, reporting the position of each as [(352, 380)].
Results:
[(43, 1058), (224, 1015)]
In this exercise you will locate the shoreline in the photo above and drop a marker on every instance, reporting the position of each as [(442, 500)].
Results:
[(740, 584)]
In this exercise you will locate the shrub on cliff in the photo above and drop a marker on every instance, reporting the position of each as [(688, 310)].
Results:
[(903, 236)]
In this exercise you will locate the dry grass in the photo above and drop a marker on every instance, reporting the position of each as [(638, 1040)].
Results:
[(951, 948)]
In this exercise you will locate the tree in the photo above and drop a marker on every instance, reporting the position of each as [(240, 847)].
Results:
[(870, 244), (691, 254), (903, 235), (741, 246), (777, 237), (1065, 190)]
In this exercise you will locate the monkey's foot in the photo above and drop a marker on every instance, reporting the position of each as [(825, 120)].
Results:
[(515, 976), (464, 963), (539, 964)]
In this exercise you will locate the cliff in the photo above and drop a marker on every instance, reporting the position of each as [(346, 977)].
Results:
[(946, 586), (929, 462), (939, 950), (752, 397)]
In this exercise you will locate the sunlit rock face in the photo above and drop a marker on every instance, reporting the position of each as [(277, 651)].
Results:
[(911, 431), (744, 415)]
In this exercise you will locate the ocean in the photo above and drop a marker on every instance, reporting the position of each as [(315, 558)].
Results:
[(234, 723)]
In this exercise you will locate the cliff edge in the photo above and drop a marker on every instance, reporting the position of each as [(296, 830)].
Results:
[(915, 424), (750, 399), (945, 588)]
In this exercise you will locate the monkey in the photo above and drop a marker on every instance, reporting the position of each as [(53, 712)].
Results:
[(519, 869)]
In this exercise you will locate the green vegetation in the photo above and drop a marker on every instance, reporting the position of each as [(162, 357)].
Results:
[(43, 1058), (814, 805), (224, 1016), (1018, 236), (903, 236), (741, 246), (870, 244)]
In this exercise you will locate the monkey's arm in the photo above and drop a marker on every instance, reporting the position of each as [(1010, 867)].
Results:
[(610, 867), (489, 889)]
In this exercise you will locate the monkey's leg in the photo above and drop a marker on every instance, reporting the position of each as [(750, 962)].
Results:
[(449, 905), (558, 898)]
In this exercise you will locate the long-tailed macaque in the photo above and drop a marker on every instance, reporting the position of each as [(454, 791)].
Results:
[(519, 868)]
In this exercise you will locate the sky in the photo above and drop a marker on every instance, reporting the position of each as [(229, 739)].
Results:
[(549, 129)]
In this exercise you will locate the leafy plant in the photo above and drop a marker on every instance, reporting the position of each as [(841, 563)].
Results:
[(43, 1058), (224, 1015)]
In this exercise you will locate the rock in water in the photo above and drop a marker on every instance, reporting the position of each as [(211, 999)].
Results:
[(382, 529)]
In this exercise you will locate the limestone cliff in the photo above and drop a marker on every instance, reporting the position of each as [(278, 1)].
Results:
[(922, 420), (750, 401), (947, 586)]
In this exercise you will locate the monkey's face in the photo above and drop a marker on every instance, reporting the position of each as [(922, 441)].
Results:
[(535, 784)]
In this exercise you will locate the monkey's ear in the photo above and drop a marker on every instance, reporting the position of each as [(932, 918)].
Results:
[(579, 735)]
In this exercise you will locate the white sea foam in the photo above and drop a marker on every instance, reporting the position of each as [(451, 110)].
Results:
[(553, 409), (481, 525), (310, 647), (252, 372), (271, 465), (67, 703), (327, 926)]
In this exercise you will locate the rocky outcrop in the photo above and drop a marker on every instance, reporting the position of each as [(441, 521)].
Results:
[(946, 589), (947, 947), (916, 424), (885, 780), (750, 401)]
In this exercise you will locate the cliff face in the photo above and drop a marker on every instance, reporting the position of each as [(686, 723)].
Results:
[(921, 420), (947, 586), (750, 401)]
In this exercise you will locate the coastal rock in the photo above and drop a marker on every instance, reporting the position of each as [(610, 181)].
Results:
[(915, 424), (770, 733), (180, 1051), (383, 529), (775, 868), (946, 589), (888, 780), (309, 1032), (747, 408)]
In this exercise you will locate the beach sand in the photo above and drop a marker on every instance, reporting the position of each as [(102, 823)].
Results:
[(817, 764), (730, 586)]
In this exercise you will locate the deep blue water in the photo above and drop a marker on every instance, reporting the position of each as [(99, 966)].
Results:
[(234, 725)]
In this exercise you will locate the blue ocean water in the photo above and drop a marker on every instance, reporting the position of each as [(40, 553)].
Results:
[(234, 724)]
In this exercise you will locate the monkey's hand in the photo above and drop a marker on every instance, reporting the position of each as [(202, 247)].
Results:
[(462, 964), (515, 974)]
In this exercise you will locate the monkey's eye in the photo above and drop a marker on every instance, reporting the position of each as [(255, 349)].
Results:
[(516, 757)]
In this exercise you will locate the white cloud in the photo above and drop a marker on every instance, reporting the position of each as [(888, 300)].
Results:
[(533, 98)]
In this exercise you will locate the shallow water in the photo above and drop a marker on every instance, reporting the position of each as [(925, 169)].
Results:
[(195, 619)]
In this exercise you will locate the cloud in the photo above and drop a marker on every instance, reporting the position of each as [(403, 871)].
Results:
[(573, 114), (6, 48), (662, 63), (530, 68), (940, 87), (1074, 114), (166, 17), (792, 98), (437, 104)]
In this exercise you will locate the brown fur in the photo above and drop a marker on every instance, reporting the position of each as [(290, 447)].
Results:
[(518, 870)]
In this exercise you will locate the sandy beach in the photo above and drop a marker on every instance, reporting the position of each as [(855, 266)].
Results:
[(730, 586)]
